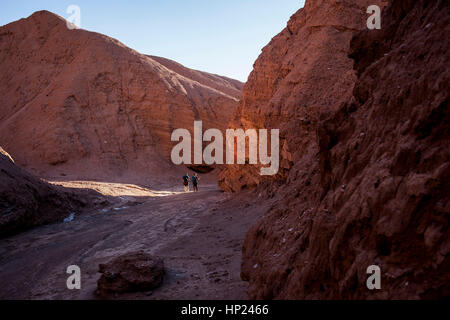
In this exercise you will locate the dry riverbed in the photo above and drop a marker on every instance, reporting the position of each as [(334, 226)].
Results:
[(199, 236)]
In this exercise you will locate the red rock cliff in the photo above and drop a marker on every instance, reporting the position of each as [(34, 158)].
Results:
[(302, 73), (74, 101), (365, 155)]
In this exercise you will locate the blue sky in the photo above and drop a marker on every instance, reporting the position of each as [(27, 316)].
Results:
[(218, 36)]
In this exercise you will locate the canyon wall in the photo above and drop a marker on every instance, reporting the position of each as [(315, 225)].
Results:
[(365, 154), (301, 74), (78, 102)]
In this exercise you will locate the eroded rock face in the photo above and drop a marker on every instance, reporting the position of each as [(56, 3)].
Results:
[(369, 177), (74, 101), (302, 73), (26, 201), (131, 272)]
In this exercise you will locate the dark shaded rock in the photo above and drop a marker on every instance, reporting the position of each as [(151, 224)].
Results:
[(27, 201), (369, 177), (132, 272)]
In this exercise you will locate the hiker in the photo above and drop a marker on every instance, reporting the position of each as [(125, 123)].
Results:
[(186, 182), (195, 180)]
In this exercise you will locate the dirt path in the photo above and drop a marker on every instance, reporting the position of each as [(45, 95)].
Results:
[(199, 235)]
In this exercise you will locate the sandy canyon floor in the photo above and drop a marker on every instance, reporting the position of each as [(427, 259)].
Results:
[(199, 238)]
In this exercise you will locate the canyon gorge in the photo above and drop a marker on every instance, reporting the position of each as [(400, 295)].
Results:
[(364, 160)]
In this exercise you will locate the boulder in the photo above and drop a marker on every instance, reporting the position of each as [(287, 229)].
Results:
[(131, 272)]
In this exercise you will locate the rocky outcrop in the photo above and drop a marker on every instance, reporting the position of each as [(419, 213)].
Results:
[(365, 155), (131, 272), (26, 201), (302, 73), (74, 101)]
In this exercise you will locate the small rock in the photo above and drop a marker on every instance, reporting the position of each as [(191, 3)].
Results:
[(131, 272)]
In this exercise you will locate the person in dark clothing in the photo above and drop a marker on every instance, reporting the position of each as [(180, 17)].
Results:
[(195, 180), (186, 182)]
